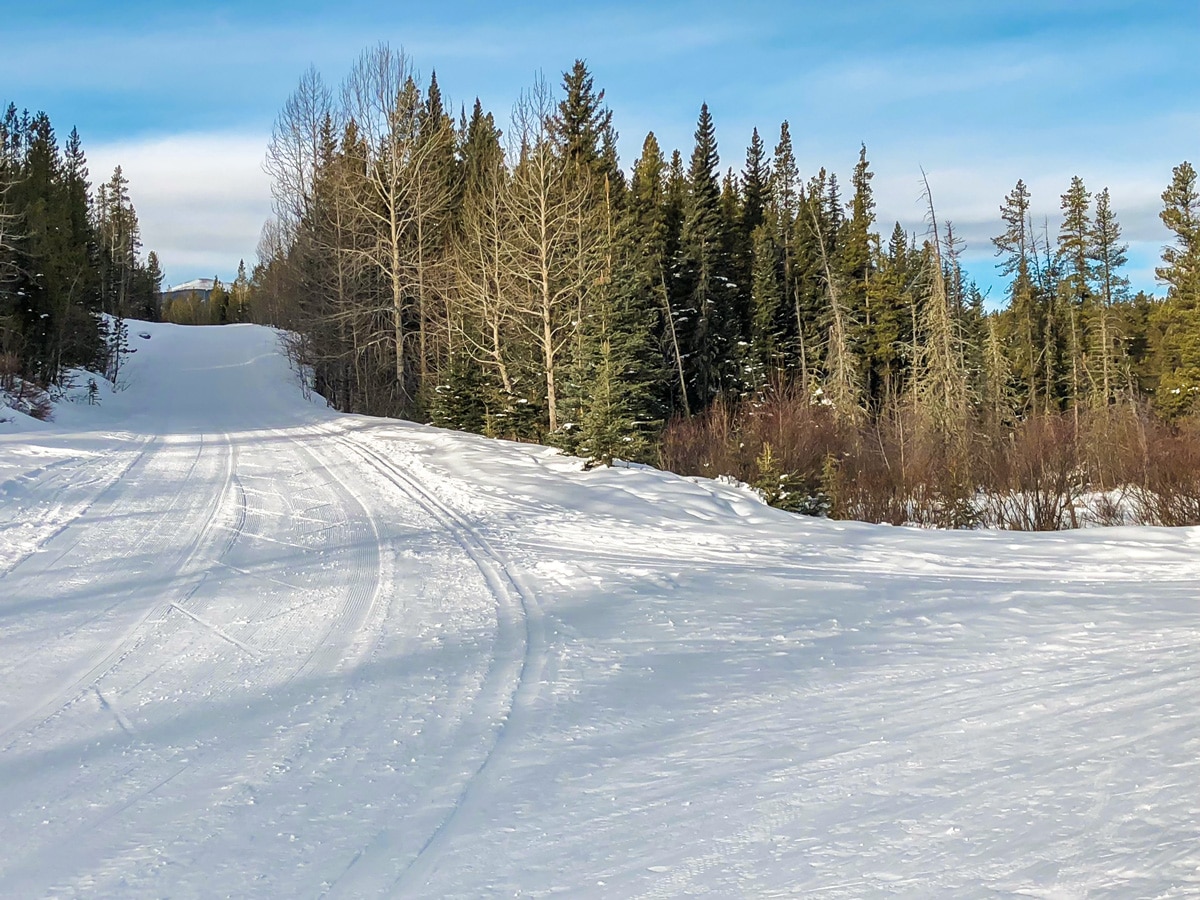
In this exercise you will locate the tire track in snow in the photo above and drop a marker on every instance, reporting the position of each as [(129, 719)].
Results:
[(513, 676)]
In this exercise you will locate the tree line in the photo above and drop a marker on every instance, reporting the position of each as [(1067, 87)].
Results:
[(522, 284), (68, 256), (223, 305)]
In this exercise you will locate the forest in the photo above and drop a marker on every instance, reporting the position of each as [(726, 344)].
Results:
[(71, 269), (747, 323), (754, 323)]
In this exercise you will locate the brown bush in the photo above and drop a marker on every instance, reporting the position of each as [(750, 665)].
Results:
[(1169, 493), (1035, 477), (1048, 472)]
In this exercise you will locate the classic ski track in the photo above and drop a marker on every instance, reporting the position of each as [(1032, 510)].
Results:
[(332, 650), (514, 600), (363, 596), (55, 470), (99, 664)]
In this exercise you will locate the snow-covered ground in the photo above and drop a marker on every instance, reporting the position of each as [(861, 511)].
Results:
[(250, 647)]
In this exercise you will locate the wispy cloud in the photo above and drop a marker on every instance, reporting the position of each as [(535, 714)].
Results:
[(978, 94), (201, 198)]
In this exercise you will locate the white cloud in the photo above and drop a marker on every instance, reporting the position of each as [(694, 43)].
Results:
[(201, 198)]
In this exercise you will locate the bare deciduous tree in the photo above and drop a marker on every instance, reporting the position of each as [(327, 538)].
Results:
[(544, 255)]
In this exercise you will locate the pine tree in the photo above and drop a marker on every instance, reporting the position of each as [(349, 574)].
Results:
[(1025, 318), (1108, 256), (1181, 214), (1179, 317), (856, 252), (1074, 298), (652, 224), (701, 281)]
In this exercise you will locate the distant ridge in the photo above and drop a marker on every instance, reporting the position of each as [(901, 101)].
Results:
[(202, 285)]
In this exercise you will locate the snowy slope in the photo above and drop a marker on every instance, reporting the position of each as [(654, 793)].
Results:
[(250, 647)]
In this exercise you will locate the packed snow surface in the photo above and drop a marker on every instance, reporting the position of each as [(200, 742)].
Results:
[(250, 647)]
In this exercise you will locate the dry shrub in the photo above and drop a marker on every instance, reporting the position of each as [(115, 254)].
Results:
[(1169, 493), (1036, 480), (1045, 473), (1112, 443), (782, 443), (705, 444), (39, 405)]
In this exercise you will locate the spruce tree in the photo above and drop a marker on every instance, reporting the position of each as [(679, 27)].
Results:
[(1025, 318), (701, 281), (1179, 317), (756, 185), (1108, 256), (1074, 298), (888, 345), (856, 252), (651, 227), (766, 291), (619, 364)]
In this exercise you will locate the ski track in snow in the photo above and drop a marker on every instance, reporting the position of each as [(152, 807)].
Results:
[(513, 676), (250, 647)]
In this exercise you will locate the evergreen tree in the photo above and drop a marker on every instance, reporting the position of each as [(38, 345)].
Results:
[(1025, 318), (766, 291), (619, 363), (1179, 318), (888, 344), (580, 123), (652, 226), (1108, 255), (1181, 214), (856, 253), (756, 185), (579, 129), (218, 304), (785, 186), (1074, 299), (701, 282)]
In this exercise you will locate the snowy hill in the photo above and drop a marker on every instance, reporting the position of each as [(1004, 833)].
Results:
[(251, 647), (196, 285)]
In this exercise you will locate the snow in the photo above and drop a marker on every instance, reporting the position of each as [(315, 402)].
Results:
[(252, 647), (196, 284)]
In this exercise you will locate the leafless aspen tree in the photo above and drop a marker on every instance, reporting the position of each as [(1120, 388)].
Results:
[(549, 267), (402, 198), (295, 147), (480, 276)]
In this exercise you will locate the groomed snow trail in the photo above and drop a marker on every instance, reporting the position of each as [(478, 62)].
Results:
[(250, 647), (204, 646)]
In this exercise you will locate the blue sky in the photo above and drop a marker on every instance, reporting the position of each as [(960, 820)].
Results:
[(978, 93)]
